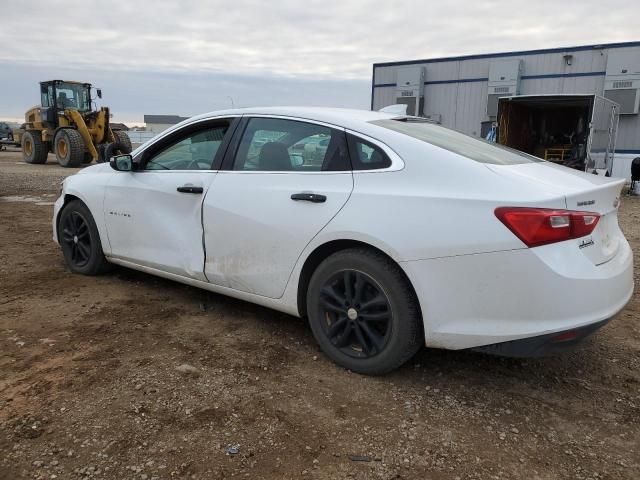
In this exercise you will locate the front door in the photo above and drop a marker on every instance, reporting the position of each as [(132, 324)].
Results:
[(288, 179), (153, 215)]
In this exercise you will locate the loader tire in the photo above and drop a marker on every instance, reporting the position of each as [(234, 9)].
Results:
[(69, 148), (123, 142), (34, 150), (88, 158)]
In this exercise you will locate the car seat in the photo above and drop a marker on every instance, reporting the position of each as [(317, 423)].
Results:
[(274, 157)]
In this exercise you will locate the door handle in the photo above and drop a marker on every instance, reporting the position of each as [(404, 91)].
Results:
[(190, 189), (309, 197)]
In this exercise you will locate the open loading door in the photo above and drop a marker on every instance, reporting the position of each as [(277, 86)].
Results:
[(602, 139), (577, 131)]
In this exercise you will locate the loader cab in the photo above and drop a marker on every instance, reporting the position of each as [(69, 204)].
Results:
[(58, 95)]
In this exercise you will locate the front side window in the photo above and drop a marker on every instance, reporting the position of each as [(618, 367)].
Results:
[(196, 151), (279, 145)]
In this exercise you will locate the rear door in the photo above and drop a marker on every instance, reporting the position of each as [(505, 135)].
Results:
[(284, 180)]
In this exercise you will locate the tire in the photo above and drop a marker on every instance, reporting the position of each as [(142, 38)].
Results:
[(34, 150), (390, 325), (80, 240), (87, 158), (69, 148), (123, 142)]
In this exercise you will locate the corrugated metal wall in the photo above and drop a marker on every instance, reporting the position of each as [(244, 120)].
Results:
[(456, 89)]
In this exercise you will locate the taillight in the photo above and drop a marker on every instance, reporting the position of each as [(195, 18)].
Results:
[(541, 226)]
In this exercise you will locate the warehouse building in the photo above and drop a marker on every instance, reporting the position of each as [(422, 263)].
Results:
[(464, 92)]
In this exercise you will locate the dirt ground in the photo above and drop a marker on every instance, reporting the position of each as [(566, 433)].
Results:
[(127, 376)]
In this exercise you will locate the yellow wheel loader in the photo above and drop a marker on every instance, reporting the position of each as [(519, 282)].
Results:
[(65, 124)]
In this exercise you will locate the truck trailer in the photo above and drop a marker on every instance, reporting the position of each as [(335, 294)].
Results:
[(577, 131)]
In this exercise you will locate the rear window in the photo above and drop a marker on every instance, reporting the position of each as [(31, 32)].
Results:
[(457, 142), (367, 156)]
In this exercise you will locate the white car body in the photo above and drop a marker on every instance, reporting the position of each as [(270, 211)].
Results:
[(431, 211)]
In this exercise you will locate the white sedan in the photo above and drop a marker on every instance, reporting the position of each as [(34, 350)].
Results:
[(387, 232)]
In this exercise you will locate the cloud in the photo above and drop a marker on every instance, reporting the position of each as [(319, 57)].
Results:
[(291, 38), (267, 52)]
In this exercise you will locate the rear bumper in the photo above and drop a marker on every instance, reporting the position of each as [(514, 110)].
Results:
[(542, 345), (485, 299)]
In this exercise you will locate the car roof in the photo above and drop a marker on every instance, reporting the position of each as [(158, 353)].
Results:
[(343, 117)]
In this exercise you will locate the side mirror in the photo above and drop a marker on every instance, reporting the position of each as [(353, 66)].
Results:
[(122, 163), (99, 92)]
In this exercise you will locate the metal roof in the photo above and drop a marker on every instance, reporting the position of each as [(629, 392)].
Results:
[(67, 81), (511, 54)]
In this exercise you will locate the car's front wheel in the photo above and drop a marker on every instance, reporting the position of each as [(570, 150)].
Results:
[(363, 312), (80, 240)]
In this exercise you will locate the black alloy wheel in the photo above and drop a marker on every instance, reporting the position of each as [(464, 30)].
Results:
[(80, 241), (363, 311), (77, 240), (357, 314)]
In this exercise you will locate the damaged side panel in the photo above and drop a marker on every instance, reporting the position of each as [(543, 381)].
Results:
[(152, 224)]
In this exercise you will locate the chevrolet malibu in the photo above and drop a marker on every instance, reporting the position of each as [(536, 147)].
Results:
[(387, 232)]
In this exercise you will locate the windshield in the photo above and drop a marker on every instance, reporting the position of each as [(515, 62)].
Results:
[(457, 142), (73, 95)]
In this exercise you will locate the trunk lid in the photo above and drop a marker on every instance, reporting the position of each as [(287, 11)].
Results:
[(582, 192)]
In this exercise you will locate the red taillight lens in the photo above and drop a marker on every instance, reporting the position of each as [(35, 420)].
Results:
[(541, 226)]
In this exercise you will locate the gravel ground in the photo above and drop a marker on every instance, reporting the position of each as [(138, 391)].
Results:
[(19, 178), (127, 376)]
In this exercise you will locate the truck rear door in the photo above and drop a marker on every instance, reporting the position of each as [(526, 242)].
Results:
[(602, 136)]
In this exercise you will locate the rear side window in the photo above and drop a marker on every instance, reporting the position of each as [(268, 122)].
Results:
[(457, 142), (282, 145), (367, 156)]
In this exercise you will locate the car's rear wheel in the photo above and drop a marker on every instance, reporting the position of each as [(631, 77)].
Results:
[(80, 240), (363, 311)]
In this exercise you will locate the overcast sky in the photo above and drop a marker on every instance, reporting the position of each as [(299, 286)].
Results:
[(187, 57)]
